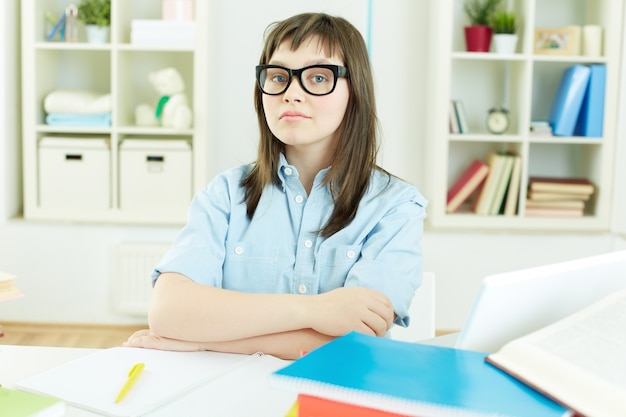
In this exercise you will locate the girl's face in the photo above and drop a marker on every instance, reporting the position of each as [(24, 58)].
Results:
[(299, 119)]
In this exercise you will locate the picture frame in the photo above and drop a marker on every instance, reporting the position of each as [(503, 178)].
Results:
[(557, 41)]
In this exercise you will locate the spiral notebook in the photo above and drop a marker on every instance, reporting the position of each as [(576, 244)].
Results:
[(411, 379), (92, 382)]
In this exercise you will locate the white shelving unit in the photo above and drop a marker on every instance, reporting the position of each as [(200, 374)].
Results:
[(122, 69), (478, 80)]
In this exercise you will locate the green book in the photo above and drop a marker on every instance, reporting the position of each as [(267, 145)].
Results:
[(25, 404)]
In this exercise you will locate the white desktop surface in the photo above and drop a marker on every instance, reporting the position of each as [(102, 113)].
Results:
[(242, 392)]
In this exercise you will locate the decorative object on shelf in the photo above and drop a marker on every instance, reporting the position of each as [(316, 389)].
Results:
[(172, 110), (177, 10), (96, 15), (557, 41), (504, 26), (71, 23), (498, 120), (478, 33), (592, 40)]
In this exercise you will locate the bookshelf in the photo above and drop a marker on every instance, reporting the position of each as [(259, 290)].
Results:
[(525, 84), (120, 68)]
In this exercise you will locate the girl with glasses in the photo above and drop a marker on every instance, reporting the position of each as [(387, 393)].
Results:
[(311, 241)]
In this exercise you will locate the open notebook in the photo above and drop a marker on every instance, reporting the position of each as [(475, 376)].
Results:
[(92, 382)]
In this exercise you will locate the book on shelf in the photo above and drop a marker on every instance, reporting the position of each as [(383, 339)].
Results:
[(540, 128), (550, 196), (561, 185), (468, 182), (459, 109), (571, 204), (502, 183), (410, 379), (8, 289), (554, 212), (15, 403), (591, 117), (453, 120), (568, 99), (491, 195), (578, 361), (512, 193)]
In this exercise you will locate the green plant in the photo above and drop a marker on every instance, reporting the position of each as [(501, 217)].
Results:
[(503, 21), (95, 12), (479, 11)]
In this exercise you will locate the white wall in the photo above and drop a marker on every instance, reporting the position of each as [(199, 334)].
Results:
[(66, 270)]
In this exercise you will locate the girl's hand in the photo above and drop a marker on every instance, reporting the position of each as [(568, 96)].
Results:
[(147, 339), (345, 309)]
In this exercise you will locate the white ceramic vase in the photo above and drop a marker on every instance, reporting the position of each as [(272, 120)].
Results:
[(504, 43), (97, 34)]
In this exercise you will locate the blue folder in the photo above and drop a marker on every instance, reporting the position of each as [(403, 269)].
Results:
[(568, 100), (591, 118), (411, 379)]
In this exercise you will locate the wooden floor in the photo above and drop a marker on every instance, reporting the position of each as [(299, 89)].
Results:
[(70, 335)]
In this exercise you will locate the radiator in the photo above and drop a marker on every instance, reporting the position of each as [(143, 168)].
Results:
[(132, 287)]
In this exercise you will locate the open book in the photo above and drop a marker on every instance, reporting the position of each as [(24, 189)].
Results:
[(579, 361)]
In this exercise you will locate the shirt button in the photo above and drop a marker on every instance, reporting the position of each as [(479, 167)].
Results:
[(238, 250), (288, 171), (308, 243), (299, 199), (302, 289), (350, 254)]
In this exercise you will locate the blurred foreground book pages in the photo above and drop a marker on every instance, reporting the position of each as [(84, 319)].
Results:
[(579, 361)]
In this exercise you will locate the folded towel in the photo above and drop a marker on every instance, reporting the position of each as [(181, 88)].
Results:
[(77, 102), (79, 120)]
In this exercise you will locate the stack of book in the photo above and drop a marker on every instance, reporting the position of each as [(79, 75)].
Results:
[(558, 197), (367, 376), (494, 185), (153, 32)]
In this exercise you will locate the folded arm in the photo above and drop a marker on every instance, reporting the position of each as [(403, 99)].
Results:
[(202, 317)]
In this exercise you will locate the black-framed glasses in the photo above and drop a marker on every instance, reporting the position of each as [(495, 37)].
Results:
[(317, 80)]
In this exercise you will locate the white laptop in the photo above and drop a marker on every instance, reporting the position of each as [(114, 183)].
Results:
[(512, 304)]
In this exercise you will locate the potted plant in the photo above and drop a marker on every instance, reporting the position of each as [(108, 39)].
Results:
[(96, 15), (478, 33), (504, 26)]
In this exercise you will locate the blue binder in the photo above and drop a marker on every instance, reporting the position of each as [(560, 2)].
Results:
[(591, 118), (568, 100), (411, 379)]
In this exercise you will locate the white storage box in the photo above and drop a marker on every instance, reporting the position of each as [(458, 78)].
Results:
[(74, 173), (155, 175)]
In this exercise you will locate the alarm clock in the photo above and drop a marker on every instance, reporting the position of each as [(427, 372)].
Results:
[(498, 120)]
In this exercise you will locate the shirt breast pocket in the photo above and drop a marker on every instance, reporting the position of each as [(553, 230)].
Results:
[(335, 263), (249, 268)]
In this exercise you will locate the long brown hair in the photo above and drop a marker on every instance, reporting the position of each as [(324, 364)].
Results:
[(355, 156)]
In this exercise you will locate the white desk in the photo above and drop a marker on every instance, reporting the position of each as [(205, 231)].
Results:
[(237, 394)]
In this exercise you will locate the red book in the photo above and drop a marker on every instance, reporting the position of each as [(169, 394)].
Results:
[(310, 406), (561, 185), (465, 185)]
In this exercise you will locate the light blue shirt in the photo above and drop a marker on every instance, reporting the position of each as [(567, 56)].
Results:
[(279, 251)]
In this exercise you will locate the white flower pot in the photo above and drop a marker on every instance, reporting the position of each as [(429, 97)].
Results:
[(97, 34), (504, 43)]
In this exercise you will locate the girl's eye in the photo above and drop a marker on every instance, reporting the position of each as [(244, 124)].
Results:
[(319, 79), (279, 78)]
